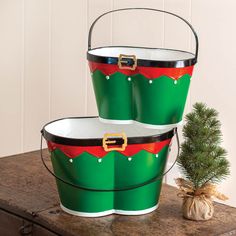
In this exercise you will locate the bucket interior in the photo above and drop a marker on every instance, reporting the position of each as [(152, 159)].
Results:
[(78, 128), (156, 54)]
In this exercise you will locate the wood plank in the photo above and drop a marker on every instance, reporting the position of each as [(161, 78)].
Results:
[(11, 225), (213, 80), (139, 27), (24, 177), (166, 220), (69, 65), (26, 187), (177, 33), (11, 77), (37, 62)]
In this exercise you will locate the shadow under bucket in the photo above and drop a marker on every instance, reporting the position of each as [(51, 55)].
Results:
[(138, 84), (102, 169)]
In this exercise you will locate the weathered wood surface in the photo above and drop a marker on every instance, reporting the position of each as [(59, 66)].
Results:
[(28, 191)]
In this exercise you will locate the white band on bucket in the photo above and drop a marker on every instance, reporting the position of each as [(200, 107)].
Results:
[(108, 212), (144, 125)]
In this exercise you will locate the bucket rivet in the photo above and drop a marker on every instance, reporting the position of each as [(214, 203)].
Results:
[(99, 160), (107, 77), (129, 159), (129, 79), (156, 155), (175, 82), (70, 160), (150, 81)]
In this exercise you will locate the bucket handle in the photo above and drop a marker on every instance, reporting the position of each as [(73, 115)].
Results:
[(158, 177), (148, 9)]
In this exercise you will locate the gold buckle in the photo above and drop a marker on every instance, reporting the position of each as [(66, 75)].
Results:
[(122, 61), (106, 142)]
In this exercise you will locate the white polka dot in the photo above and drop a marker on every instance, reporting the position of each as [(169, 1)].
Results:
[(129, 79), (91, 74), (150, 81), (156, 155), (107, 77), (99, 160), (70, 160), (129, 159), (175, 82)]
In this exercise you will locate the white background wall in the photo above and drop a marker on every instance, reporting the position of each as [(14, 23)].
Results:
[(44, 74)]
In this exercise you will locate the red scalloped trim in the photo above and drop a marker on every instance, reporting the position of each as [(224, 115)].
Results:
[(148, 72), (98, 151)]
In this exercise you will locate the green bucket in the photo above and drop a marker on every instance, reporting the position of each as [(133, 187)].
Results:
[(138, 84), (102, 169)]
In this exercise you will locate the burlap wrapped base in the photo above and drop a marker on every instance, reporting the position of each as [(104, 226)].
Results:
[(197, 202), (197, 208)]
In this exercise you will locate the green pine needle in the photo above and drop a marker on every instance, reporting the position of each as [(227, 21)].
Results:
[(202, 159)]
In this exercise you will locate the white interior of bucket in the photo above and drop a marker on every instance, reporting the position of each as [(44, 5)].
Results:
[(158, 54), (92, 128)]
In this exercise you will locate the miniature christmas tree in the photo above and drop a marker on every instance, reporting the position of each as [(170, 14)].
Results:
[(202, 161)]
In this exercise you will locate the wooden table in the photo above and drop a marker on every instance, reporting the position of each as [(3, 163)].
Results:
[(29, 203)]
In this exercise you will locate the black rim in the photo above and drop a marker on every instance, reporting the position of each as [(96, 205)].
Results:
[(142, 62), (98, 141)]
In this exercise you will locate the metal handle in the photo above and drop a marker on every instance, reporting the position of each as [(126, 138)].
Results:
[(158, 177), (148, 9)]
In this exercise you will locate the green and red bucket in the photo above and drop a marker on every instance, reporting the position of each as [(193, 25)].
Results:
[(148, 86), (102, 169), (117, 165)]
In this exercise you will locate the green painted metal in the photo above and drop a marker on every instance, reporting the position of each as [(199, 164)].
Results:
[(115, 171), (113, 96), (159, 101)]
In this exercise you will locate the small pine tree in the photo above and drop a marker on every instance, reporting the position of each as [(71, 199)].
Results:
[(202, 160)]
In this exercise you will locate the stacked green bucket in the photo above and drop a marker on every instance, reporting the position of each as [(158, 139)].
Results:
[(115, 163)]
